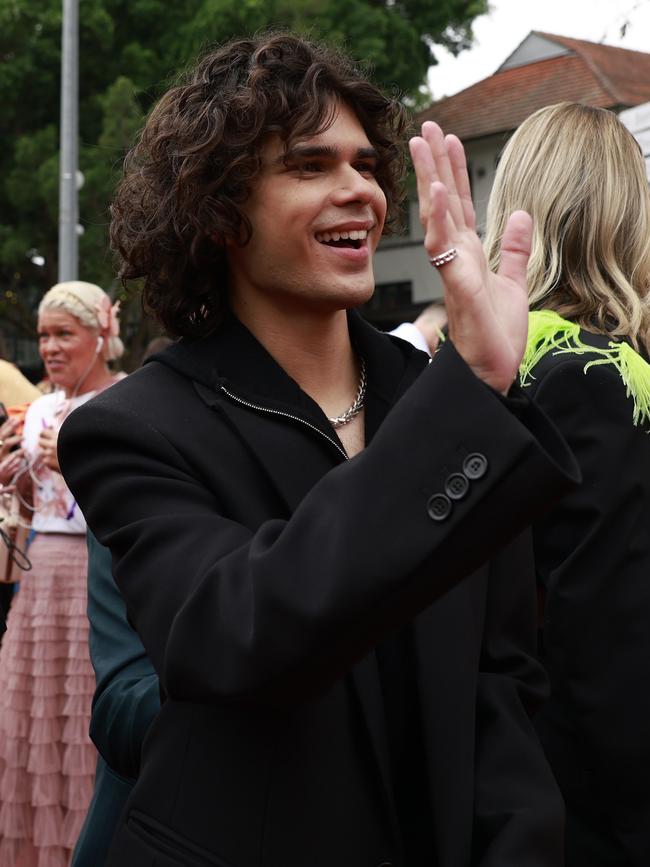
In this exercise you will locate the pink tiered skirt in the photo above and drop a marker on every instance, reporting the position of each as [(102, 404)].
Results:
[(47, 761)]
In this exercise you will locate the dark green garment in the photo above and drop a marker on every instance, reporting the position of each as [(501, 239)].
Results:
[(126, 701), (109, 797)]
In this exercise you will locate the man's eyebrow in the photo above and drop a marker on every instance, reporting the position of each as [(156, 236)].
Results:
[(326, 151)]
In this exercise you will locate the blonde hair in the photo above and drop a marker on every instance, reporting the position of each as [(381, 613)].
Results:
[(581, 176), (92, 307)]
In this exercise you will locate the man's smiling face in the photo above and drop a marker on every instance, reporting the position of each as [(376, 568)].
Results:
[(317, 215)]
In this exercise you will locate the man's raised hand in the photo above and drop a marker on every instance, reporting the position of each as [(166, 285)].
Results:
[(488, 313)]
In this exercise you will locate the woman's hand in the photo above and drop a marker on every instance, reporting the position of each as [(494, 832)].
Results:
[(11, 458), (47, 448), (10, 465), (8, 437), (488, 313)]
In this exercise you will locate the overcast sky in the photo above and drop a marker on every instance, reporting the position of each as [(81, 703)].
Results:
[(499, 32)]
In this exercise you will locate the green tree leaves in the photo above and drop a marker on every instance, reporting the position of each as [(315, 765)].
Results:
[(130, 51)]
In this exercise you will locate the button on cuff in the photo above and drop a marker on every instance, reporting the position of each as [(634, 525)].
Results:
[(456, 486), (439, 507), (475, 466)]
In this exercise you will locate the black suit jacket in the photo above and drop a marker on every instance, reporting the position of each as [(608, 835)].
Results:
[(593, 558), (261, 567)]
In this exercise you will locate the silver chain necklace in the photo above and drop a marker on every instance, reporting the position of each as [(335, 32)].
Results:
[(356, 406)]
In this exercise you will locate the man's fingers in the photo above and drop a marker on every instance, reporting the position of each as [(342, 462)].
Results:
[(434, 137), (425, 172), (438, 226), (515, 247), (439, 158), (458, 162)]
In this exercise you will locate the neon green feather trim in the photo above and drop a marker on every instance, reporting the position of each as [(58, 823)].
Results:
[(547, 331), (550, 332), (635, 373)]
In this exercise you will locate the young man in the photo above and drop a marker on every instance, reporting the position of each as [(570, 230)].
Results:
[(301, 510)]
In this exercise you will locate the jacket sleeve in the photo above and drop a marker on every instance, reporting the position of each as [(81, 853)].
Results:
[(519, 812), (127, 697), (229, 613)]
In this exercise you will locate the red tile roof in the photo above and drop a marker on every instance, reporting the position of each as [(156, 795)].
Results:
[(624, 73), (593, 74)]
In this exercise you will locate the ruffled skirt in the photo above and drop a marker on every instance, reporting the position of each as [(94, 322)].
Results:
[(47, 761)]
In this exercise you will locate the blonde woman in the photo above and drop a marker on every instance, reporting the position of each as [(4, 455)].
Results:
[(581, 176), (47, 761)]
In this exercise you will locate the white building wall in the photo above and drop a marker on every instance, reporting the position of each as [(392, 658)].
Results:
[(403, 259), (637, 120), (482, 155)]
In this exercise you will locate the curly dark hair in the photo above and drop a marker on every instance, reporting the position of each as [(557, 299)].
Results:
[(199, 154)]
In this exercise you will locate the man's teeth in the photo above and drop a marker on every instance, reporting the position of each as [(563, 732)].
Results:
[(354, 235)]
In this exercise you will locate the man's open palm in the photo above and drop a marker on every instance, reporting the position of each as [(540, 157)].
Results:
[(488, 313)]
